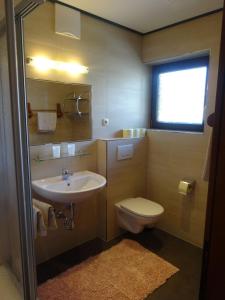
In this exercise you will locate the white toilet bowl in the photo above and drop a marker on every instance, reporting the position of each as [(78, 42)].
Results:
[(134, 214)]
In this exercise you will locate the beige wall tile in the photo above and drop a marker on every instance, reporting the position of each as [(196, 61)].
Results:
[(61, 240), (198, 35), (120, 89), (101, 157), (48, 168), (102, 200), (95, 217), (117, 75), (119, 83), (173, 156), (125, 178), (88, 225)]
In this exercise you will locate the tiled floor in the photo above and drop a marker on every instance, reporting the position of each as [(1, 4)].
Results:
[(184, 285)]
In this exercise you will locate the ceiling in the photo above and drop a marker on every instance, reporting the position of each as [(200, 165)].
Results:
[(146, 15)]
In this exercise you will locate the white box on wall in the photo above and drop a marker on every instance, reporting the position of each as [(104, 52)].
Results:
[(125, 152), (67, 21)]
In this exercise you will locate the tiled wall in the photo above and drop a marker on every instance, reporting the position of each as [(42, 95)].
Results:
[(117, 75), (95, 217), (119, 83), (48, 168), (173, 156), (125, 178), (86, 220)]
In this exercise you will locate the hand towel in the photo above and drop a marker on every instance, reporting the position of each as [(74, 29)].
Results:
[(48, 214), (46, 121), (39, 225)]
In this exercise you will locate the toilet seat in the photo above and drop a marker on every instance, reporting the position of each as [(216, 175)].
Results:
[(141, 207)]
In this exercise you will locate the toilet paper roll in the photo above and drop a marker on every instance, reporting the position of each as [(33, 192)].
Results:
[(185, 187)]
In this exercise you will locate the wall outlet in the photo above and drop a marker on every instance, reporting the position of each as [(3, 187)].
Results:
[(105, 122)]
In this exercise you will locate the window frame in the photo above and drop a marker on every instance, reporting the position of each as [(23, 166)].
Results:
[(183, 64)]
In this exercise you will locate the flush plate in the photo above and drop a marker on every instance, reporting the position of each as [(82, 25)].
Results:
[(125, 152)]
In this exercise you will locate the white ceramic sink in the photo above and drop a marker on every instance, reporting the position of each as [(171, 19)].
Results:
[(78, 187)]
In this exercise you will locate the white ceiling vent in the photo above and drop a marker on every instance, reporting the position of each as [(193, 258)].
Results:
[(67, 21)]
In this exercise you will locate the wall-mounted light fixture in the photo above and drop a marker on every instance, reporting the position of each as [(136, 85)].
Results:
[(44, 64)]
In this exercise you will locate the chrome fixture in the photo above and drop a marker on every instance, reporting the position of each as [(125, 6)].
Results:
[(68, 221), (73, 98), (77, 106), (66, 174)]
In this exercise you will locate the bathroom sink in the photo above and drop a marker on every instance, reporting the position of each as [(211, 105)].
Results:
[(76, 188)]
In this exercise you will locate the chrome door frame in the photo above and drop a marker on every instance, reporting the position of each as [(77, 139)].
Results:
[(14, 32)]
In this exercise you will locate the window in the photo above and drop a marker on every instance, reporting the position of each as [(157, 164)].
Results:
[(178, 94)]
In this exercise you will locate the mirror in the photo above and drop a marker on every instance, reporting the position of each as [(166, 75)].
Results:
[(58, 112)]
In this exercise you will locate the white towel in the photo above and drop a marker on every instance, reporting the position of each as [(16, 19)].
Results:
[(46, 121), (39, 224), (48, 214), (206, 169)]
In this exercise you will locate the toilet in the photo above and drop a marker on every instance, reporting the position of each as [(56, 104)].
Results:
[(134, 214)]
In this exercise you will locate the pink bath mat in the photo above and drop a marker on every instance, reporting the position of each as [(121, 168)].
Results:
[(126, 271)]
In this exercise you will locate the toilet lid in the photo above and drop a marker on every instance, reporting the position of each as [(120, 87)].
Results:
[(142, 207)]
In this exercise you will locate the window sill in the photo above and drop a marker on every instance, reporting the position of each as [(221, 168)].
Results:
[(175, 131)]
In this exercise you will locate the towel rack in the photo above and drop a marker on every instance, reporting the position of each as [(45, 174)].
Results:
[(31, 112), (76, 101)]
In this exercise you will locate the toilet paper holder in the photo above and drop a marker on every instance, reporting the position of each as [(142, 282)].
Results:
[(186, 186)]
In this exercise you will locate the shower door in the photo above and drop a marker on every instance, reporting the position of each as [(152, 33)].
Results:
[(17, 264)]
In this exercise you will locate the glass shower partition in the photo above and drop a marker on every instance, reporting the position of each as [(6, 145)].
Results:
[(17, 264), (11, 279)]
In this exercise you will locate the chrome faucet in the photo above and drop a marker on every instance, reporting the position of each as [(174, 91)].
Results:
[(66, 174)]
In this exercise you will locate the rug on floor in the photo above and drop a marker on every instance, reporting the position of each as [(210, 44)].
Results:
[(127, 271)]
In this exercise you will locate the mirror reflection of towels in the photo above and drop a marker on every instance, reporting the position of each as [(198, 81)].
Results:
[(46, 121)]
